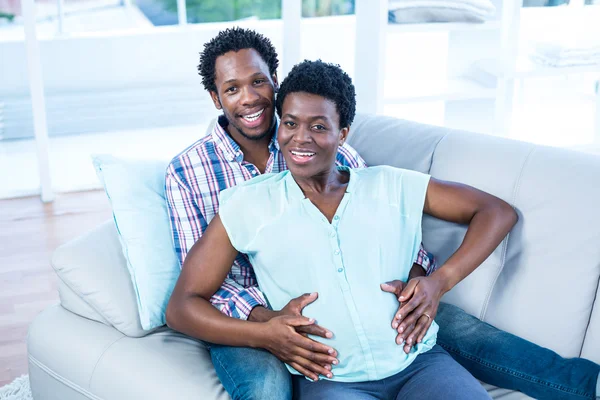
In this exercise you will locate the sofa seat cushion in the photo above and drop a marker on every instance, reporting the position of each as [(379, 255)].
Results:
[(98, 362), (73, 358)]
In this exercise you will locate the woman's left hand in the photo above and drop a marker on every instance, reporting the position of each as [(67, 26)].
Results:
[(419, 300)]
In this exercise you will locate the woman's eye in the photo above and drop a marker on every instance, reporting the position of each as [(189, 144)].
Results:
[(289, 123), (319, 127), (259, 81)]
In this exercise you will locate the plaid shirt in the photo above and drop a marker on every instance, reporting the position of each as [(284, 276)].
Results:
[(194, 180)]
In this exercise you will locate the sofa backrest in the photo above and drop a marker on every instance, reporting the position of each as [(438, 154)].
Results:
[(541, 283)]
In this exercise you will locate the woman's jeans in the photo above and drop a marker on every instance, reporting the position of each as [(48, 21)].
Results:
[(489, 354), (433, 375)]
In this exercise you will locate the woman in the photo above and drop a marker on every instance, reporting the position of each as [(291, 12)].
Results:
[(340, 233)]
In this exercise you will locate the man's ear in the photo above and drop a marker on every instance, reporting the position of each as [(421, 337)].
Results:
[(344, 135), (275, 82), (215, 98)]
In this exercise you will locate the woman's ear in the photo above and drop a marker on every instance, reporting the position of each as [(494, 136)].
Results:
[(344, 135)]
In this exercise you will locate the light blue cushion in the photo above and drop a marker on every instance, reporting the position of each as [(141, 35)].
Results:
[(136, 190)]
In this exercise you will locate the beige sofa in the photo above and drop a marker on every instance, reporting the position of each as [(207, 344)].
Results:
[(541, 283)]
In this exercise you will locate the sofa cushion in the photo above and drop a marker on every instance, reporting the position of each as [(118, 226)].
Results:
[(76, 304), (98, 362), (136, 191), (93, 267), (413, 147), (542, 281)]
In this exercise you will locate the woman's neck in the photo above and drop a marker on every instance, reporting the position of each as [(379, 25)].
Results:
[(324, 182)]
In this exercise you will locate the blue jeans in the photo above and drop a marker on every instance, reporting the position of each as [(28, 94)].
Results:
[(431, 376), (507, 361), (251, 374), (491, 355)]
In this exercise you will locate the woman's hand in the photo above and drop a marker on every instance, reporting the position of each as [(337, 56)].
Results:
[(419, 302), (305, 355)]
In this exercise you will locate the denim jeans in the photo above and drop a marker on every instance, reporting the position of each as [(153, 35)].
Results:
[(505, 360), (432, 375), (251, 374), (489, 354)]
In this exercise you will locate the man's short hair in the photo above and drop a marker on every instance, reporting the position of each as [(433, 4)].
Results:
[(234, 39), (323, 79)]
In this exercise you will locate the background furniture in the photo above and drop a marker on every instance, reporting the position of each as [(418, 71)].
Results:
[(541, 283)]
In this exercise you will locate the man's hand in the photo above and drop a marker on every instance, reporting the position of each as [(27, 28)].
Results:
[(306, 356), (419, 300), (308, 360), (293, 308)]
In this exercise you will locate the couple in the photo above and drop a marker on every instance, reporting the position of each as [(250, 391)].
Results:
[(318, 228)]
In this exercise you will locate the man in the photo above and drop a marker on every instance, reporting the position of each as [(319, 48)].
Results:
[(238, 68), (339, 232)]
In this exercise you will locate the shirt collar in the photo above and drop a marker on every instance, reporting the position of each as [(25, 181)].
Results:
[(229, 147)]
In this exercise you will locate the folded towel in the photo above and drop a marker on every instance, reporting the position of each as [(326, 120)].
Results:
[(562, 63), (576, 46), (485, 6), (433, 14), (424, 11)]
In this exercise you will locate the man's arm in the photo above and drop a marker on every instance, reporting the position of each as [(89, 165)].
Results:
[(190, 312), (187, 226)]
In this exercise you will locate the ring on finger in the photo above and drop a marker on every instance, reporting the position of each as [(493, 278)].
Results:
[(427, 315)]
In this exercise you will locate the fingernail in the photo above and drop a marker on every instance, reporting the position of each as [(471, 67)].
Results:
[(395, 325), (409, 341), (330, 351), (329, 335), (335, 362), (399, 316), (401, 297), (329, 376), (311, 320), (401, 329)]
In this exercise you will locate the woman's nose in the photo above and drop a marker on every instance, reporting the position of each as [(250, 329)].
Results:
[(302, 136)]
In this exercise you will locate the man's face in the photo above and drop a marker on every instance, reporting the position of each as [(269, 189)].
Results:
[(309, 134), (245, 93)]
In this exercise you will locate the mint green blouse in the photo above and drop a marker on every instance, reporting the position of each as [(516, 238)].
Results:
[(374, 238)]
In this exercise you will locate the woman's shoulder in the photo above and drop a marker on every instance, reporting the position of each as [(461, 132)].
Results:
[(253, 188)]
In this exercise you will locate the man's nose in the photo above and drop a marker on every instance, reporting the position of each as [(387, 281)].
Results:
[(249, 96)]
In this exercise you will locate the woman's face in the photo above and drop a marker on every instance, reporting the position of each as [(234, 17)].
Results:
[(309, 134)]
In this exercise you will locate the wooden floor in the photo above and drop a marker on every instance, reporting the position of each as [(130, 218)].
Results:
[(29, 232)]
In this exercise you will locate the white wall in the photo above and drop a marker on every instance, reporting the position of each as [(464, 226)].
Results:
[(159, 56)]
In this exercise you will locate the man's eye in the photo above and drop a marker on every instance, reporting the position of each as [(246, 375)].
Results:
[(289, 123), (319, 127), (231, 89), (259, 81)]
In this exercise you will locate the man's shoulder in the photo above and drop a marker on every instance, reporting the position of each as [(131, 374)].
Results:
[(196, 154), (261, 184), (349, 157)]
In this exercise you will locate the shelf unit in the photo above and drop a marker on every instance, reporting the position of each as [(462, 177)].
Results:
[(484, 62), (372, 30)]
